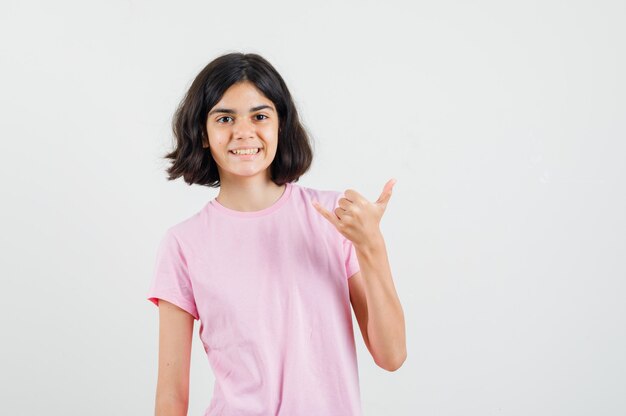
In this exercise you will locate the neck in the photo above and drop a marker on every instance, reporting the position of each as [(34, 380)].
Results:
[(249, 194)]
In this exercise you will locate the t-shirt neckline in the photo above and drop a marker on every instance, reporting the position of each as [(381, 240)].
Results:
[(252, 214)]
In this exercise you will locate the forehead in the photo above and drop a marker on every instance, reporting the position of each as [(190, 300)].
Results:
[(242, 94)]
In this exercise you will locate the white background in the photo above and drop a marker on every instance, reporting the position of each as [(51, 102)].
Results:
[(504, 123)]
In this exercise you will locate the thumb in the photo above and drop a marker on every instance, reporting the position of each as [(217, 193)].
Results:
[(386, 193)]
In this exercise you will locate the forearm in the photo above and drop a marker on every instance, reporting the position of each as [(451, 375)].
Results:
[(385, 323), (170, 407)]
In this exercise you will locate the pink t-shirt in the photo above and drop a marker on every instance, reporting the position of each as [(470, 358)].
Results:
[(270, 289)]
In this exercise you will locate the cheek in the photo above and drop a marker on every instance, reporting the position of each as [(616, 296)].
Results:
[(217, 139), (270, 134)]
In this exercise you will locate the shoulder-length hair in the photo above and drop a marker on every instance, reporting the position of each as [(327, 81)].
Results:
[(194, 162)]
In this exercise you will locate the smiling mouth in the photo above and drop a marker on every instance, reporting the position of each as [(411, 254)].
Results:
[(248, 152)]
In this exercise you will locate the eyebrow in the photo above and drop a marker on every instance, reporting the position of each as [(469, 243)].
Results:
[(229, 111)]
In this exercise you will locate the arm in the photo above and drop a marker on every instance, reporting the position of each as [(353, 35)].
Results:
[(175, 337), (373, 294), (377, 307)]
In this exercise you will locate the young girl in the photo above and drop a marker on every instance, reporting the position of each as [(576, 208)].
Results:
[(269, 267)]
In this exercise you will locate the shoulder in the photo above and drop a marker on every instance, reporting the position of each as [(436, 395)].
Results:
[(326, 197), (185, 230)]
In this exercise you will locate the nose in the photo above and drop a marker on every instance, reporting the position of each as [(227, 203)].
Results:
[(243, 128)]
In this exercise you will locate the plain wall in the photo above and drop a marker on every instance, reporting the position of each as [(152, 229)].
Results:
[(504, 123)]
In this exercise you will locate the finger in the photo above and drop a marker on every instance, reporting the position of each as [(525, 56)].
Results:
[(344, 203), (340, 213), (325, 213), (386, 193), (352, 195)]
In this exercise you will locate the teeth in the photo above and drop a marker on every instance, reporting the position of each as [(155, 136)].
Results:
[(245, 152)]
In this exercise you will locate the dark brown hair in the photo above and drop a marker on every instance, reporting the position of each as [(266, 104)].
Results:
[(195, 163)]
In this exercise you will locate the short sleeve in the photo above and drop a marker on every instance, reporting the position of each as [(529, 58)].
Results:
[(349, 255), (170, 280)]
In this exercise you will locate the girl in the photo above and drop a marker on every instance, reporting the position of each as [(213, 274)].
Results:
[(265, 266)]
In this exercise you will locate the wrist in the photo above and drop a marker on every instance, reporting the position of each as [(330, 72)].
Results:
[(371, 244)]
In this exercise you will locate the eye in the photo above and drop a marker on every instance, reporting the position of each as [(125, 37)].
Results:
[(221, 118), (261, 115)]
